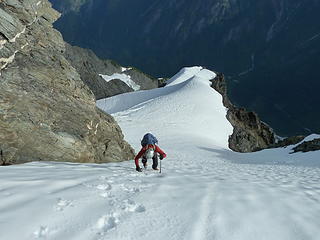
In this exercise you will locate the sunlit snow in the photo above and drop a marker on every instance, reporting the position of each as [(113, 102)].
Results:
[(122, 77), (205, 191), (124, 69)]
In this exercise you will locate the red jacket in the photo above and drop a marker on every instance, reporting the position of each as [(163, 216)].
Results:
[(144, 149)]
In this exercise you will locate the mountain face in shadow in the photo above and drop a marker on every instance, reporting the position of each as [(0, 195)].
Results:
[(268, 50)]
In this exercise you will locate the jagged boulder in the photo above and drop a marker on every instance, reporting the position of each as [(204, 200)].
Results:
[(308, 146), (249, 132), (288, 141), (46, 111), (90, 67)]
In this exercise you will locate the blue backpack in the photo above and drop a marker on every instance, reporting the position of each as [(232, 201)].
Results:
[(148, 139)]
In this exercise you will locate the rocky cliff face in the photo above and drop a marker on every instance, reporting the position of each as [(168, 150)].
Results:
[(89, 66), (46, 112), (249, 132)]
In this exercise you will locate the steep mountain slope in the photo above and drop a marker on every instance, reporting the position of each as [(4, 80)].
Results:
[(269, 50), (205, 191), (93, 70), (46, 111)]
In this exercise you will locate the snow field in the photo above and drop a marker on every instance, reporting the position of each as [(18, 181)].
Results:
[(204, 192), (66, 200), (210, 192), (187, 105)]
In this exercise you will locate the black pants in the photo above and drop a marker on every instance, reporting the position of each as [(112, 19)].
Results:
[(154, 160)]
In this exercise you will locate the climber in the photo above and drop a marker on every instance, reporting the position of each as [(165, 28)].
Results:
[(149, 150)]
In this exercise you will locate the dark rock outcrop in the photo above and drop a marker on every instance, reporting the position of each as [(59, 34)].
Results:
[(145, 81), (46, 111), (308, 146), (90, 66), (249, 132), (288, 141)]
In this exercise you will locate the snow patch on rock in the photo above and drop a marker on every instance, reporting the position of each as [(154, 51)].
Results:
[(122, 77)]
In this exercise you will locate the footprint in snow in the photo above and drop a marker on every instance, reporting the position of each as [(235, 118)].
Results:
[(107, 222), (42, 232), (62, 204), (104, 187), (106, 178), (106, 195), (103, 177), (131, 206), (128, 188)]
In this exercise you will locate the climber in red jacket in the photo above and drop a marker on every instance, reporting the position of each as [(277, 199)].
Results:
[(149, 151)]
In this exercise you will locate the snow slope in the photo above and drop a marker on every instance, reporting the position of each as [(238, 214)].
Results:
[(205, 190)]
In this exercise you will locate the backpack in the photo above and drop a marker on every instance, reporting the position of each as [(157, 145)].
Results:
[(148, 139), (149, 152)]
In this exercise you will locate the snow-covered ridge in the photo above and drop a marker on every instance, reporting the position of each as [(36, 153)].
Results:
[(205, 190), (187, 98), (122, 77)]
